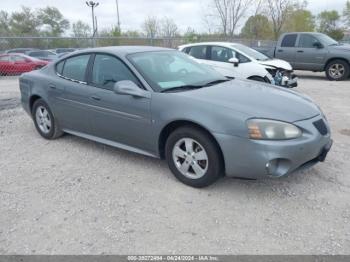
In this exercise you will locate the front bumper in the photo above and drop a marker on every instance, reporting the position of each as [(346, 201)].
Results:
[(254, 159)]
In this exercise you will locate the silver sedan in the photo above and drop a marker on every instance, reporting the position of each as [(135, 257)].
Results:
[(161, 103)]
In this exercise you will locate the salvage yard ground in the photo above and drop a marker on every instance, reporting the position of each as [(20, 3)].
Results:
[(73, 196)]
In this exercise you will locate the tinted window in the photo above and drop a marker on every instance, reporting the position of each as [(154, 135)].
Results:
[(289, 40), (221, 54), (75, 67), (199, 52), (108, 70), (59, 67), (307, 41)]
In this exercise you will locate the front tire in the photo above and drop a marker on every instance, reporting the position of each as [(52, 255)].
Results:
[(337, 70), (44, 120), (193, 157)]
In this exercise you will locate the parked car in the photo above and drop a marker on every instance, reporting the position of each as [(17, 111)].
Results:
[(65, 50), (248, 63), (20, 50), (161, 103), (313, 52), (43, 55), (13, 63)]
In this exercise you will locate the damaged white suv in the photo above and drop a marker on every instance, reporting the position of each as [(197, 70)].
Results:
[(239, 61)]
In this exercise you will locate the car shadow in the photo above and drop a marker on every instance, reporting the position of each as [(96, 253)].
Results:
[(282, 186)]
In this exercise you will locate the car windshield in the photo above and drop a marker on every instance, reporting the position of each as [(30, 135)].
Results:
[(245, 50), (166, 70), (326, 40)]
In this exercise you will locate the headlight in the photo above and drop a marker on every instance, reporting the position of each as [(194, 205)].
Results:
[(264, 129)]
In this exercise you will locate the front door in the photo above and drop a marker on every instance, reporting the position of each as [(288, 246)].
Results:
[(310, 57), (118, 118)]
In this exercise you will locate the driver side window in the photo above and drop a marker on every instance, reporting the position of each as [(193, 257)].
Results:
[(108, 70), (307, 41), (221, 54)]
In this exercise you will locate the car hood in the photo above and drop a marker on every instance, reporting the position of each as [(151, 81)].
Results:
[(256, 100), (277, 63), (343, 47)]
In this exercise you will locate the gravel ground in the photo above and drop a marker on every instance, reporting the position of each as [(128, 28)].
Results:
[(73, 196)]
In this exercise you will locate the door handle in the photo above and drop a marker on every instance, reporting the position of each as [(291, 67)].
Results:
[(300, 51), (52, 86), (280, 50), (96, 98)]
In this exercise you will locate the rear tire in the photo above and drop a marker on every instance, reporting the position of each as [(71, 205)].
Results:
[(337, 70), (44, 121), (193, 157)]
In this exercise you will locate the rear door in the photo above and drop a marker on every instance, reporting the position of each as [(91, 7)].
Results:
[(288, 49), (309, 57), (75, 106)]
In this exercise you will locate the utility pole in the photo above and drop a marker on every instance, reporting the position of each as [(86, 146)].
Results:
[(93, 5), (118, 17)]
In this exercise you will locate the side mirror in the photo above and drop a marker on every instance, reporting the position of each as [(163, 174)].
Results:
[(234, 61), (318, 45), (127, 87)]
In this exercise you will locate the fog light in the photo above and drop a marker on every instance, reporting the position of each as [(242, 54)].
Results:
[(278, 167)]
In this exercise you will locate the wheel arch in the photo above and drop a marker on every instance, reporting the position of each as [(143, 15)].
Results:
[(172, 126), (32, 100), (335, 58)]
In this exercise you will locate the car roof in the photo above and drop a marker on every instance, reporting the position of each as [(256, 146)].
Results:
[(123, 50), (225, 44)]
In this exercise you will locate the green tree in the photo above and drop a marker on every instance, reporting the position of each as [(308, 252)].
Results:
[(329, 24), (346, 13), (24, 23), (4, 23), (257, 27), (81, 29), (300, 20), (53, 21)]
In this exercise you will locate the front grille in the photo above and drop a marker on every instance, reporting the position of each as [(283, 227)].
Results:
[(321, 127)]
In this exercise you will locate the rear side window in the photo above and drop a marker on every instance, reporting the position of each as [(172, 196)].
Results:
[(289, 40), (307, 41), (108, 70), (59, 67), (17, 58), (199, 52), (75, 67)]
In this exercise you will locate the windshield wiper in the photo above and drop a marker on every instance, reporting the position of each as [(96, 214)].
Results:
[(216, 82), (181, 88)]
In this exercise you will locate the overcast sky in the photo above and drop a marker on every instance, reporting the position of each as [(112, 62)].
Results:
[(185, 12)]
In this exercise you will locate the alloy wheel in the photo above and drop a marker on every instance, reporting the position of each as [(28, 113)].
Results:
[(43, 119), (336, 71), (190, 158)]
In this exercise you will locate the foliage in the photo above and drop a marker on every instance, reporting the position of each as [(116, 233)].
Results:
[(24, 23), (151, 26), (257, 27), (300, 20), (52, 21), (279, 11), (81, 29), (346, 13), (329, 24)]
